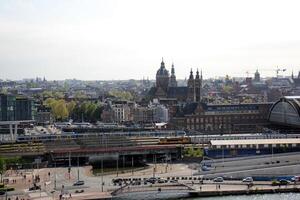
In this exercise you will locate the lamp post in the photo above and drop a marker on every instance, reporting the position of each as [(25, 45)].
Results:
[(102, 175), (54, 174), (117, 165)]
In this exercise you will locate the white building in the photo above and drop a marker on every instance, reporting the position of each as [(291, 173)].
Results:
[(121, 113), (160, 112)]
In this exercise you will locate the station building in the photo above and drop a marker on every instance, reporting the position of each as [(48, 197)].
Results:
[(223, 118), (236, 148), (286, 112)]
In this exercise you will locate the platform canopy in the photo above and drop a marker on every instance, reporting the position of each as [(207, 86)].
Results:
[(255, 142)]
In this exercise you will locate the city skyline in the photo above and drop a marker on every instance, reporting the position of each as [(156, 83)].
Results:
[(115, 40)]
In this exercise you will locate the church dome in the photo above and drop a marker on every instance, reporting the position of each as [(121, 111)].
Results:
[(162, 71)]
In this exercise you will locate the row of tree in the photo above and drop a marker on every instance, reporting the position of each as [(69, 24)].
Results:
[(4, 162), (78, 111)]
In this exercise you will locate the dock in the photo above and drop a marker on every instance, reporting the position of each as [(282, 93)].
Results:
[(236, 192)]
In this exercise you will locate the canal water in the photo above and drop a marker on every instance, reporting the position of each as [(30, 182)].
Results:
[(183, 196), (288, 196)]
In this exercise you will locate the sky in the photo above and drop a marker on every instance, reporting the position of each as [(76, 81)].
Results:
[(126, 39)]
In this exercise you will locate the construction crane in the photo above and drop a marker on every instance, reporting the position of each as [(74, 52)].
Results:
[(279, 70)]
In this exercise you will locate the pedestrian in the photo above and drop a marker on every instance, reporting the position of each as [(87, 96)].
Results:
[(200, 187)]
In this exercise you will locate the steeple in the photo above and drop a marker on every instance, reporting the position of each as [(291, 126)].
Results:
[(191, 88), (201, 75), (197, 74), (173, 82), (172, 69), (256, 76), (191, 74), (198, 86)]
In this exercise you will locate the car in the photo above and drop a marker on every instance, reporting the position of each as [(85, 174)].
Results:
[(162, 181), (295, 179), (247, 180), (218, 179), (78, 183), (284, 182), (152, 180), (35, 187), (116, 181), (280, 182)]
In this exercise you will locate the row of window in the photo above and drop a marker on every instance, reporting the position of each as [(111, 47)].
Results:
[(257, 146), (224, 119)]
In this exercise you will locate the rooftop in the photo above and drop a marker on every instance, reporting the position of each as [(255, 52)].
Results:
[(256, 141)]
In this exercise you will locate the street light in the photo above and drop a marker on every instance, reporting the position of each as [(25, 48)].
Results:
[(101, 174)]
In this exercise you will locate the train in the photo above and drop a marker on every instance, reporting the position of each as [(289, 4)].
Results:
[(175, 140), (75, 136)]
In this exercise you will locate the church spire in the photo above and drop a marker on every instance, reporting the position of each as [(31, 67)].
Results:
[(172, 69), (201, 75), (191, 74), (173, 82), (197, 74)]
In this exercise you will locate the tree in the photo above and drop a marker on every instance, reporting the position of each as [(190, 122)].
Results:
[(80, 95), (47, 94), (227, 89), (123, 95), (71, 106), (2, 167), (60, 110)]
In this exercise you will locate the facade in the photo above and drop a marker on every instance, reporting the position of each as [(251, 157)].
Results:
[(234, 148), (25, 109), (143, 115), (166, 86), (222, 118), (8, 106), (43, 115), (117, 111), (107, 114), (160, 112), (14, 108), (121, 113), (154, 113)]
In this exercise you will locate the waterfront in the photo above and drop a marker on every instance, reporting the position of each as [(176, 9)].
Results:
[(289, 196)]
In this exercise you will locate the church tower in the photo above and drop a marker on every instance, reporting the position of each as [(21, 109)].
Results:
[(191, 88), (162, 77), (198, 86), (173, 82), (256, 76)]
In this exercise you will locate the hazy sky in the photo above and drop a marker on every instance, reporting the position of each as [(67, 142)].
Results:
[(126, 39)]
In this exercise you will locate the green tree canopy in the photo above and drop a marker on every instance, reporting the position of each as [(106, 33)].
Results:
[(123, 95)]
